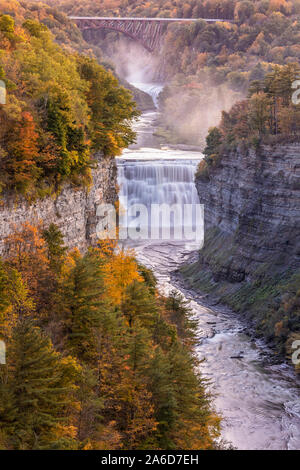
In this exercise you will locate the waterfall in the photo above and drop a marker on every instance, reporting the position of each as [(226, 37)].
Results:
[(168, 182), (153, 89), (157, 182)]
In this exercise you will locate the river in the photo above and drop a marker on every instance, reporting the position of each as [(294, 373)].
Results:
[(258, 401)]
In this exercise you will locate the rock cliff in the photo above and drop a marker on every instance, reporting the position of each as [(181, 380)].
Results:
[(251, 255), (252, 200), (73, 211)]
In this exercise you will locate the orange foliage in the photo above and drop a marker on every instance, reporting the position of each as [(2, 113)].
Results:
[(27, 253), (24, 152), (119, 272)]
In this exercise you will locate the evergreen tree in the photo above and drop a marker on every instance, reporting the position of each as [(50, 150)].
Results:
[(40, 388), (56, 249), (139, 303), (196, 425), (180, 313), (83, 306), (213, 142), (164, 398)]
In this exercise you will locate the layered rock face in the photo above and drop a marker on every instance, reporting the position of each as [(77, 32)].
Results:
[(252, 213), (73, 211)]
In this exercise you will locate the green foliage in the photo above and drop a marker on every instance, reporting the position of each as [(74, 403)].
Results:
[(148, 277), (96, 373), (213, 142), (83, 306), (65, 105), (180, 314), (55, 246), (39, 391), (111, 106)]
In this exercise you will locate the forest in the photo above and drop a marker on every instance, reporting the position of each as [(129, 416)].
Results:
[(62, 108), (268, 116), (210, 66), (206, 66), (97, 359)]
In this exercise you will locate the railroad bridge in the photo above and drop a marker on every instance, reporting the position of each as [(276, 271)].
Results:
[(147, 31)]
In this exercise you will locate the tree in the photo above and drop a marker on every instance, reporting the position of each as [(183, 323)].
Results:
[(213, 141), (56, 250), (164, 398), (83, 306), (41, 386), (139, 304), (196, 426), (7, 26), (23, 147), (259, 112), (243, 11), (112, 109), (15, 301), (119, 272), (28, 255), (179, 313)]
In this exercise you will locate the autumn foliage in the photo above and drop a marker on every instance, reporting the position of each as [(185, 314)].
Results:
[(96, 358), (62, 107)]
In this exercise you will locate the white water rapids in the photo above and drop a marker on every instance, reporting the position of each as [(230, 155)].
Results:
[(259, 402)]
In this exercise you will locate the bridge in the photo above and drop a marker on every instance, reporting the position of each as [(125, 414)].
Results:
[(147, 31)]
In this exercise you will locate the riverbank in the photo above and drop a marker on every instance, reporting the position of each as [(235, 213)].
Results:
[(256, 394), (268, 354)]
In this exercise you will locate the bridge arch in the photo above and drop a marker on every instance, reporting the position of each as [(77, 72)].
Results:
[(147, 31), (126, 33)]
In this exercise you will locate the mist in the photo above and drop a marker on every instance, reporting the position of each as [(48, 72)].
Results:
[(187, 109), (132, 61)]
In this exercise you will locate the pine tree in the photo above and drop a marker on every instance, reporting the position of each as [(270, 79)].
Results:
[(139, 303), (83, 304), (196, 425), (164, 399), (56, 250), (128, 401), (179, 313), (91, 405), (41, 386)]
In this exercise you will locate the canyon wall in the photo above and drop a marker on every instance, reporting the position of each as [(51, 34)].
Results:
[(252, 206), (73, 210), (251, 255)]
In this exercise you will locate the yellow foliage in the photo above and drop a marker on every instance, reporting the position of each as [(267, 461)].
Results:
[(119, 272)]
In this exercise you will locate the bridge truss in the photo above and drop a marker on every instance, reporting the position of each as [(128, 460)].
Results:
[(147, 31)]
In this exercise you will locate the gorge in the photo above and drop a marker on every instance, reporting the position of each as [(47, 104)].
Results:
[(154, 340), (257, 397)]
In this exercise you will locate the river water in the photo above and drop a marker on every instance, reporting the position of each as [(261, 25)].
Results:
[(259, 401)]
